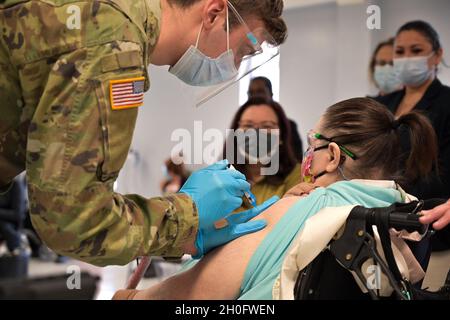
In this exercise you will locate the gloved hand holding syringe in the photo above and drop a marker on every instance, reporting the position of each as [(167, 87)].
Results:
[(213, 208), (249, 197), (217, 191)]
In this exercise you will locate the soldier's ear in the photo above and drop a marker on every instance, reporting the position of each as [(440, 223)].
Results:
[(212, 11)]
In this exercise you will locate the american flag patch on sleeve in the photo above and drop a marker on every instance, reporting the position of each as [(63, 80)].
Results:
[(127, 93)]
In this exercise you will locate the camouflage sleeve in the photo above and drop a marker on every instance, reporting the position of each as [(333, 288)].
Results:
[(77, 145), (12, 136)]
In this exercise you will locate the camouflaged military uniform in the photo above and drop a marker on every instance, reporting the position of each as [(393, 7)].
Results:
[(59, 60)]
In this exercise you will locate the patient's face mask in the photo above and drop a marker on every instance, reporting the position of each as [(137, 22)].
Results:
[(413, 71), (196, 69), (308, 158)]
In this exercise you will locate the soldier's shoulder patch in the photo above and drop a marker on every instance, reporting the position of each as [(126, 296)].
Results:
[(127, 93)]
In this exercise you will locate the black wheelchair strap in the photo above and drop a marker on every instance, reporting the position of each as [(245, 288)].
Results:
[(382, 224)]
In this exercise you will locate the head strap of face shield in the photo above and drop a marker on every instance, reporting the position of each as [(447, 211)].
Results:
[(250, 36)]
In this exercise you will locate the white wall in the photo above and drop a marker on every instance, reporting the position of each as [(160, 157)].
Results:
[(321, 62), (325, 60), (308, 64)]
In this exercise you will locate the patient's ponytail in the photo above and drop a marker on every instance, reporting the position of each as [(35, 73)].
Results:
[(421, 154), (370, 131)]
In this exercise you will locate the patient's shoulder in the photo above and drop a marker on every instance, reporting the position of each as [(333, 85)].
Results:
[(362, 192), (336, 194), (315, 201)]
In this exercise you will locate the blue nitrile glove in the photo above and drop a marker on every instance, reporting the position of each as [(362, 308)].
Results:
[(238, 225), (216, 191)]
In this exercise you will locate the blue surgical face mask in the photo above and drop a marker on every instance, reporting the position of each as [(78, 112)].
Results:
[(413, 71), (196, 69), (387, 79)]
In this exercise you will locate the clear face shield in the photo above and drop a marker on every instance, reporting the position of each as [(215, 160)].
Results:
[(205, 77)]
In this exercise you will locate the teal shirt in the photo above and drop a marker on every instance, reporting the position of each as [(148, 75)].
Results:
[(265, 264)]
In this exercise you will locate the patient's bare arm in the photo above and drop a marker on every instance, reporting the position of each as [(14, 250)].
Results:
[(220, 273)]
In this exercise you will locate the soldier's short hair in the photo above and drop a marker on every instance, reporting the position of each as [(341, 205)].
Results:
[(269, 11)]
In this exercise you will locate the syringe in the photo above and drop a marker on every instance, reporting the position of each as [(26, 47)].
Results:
[(249, 197)]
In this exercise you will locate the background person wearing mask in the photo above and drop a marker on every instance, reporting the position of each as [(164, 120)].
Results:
[(262, 87), (69, 108), (260, 113), (418, 53), (381, 69)]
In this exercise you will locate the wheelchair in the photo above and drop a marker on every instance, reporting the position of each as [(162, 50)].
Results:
[(332, 274)]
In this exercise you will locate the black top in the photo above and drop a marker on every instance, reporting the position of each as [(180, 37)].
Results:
[(436, 105)]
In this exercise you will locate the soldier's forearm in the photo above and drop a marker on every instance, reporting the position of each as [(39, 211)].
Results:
[(104, 228), (177, 230)]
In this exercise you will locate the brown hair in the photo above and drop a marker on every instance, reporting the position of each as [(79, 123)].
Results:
[(269, 11), (178, 169), (369, 129), (286, 152), (388, 43), (426, 30)]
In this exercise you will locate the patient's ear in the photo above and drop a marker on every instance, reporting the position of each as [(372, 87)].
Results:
[(334, 154)]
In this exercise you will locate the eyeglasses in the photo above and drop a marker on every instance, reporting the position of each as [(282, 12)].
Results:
[(268, 125), (382, 63), (318, 136), (252, 48)]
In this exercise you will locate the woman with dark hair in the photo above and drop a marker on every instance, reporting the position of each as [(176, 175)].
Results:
[(262, 87), (381, 68), (267, 120), (352, 159), (418, 53)]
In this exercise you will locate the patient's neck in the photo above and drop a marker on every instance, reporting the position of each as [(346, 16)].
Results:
[(328, 179)]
